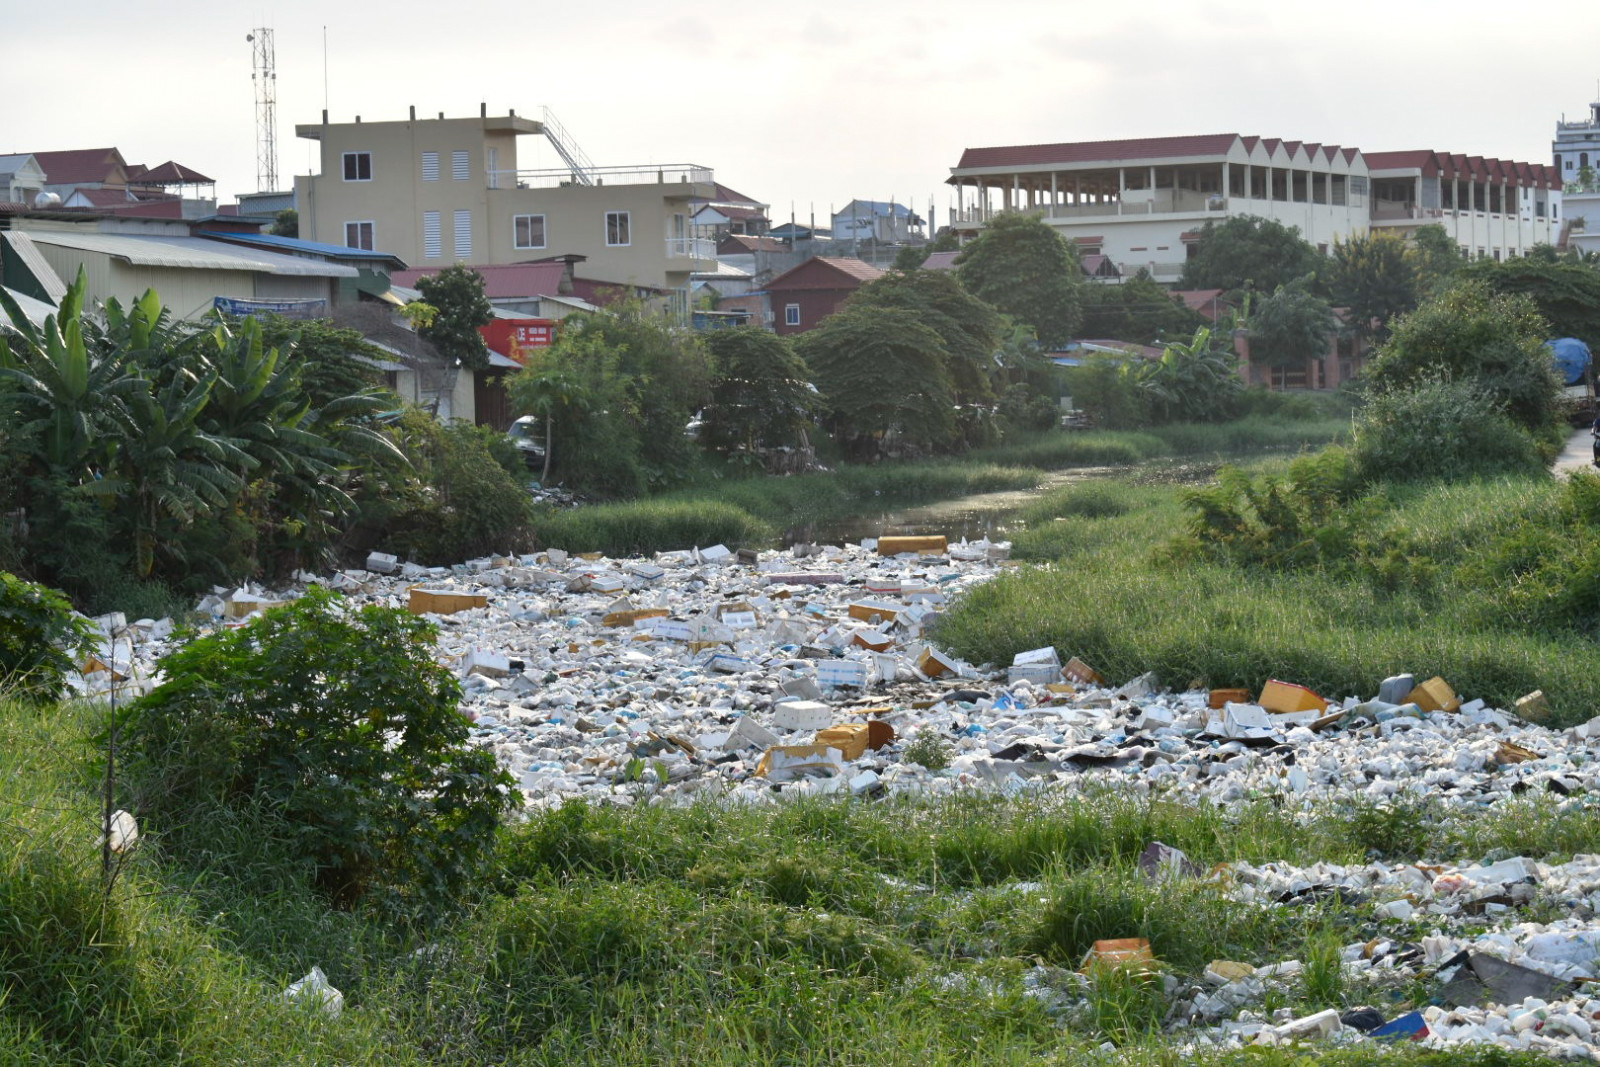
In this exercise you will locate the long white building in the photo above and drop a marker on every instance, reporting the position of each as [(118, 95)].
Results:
[(1141, 203)]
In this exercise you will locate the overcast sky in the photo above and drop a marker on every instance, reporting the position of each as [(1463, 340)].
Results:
[(809, 103)]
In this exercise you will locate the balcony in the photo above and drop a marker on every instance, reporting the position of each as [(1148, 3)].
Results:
[(696, 248), (1136, 203), (560, 177)]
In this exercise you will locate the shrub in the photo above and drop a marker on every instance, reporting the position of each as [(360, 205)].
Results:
[(341, 720), (1440, 429), (38, 635), (475, 505), (1023, 407)]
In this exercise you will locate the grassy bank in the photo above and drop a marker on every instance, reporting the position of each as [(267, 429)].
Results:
[(1474, 590), (822, 932), (753, 510)]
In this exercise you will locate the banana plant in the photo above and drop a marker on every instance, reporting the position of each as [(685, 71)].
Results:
[(73, 396)]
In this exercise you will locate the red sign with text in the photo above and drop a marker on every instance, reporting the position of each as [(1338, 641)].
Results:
[(512, 337)]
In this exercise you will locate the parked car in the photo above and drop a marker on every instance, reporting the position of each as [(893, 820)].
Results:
[(528, 435)]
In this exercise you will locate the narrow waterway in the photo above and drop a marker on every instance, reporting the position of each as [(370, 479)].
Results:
[(990, 515)]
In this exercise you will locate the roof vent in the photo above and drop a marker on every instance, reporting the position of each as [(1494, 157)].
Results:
[(44, 200)]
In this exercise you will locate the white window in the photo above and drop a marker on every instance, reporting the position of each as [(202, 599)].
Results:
[(458, 164), (430, 166), (791, 314), (529, 231), (358, 235), (617, 228), (464, 234), (358, 166), (432, 239)]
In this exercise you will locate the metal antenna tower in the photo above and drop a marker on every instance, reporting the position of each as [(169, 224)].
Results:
[(264, 75)]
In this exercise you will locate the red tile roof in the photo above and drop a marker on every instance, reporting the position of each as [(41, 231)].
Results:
[(724, 195), (826, 273), (102, 197), (170, 173), (1097, 151), (940, 261), (79, 165)]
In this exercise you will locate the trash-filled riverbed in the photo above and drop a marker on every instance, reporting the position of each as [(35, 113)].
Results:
[(754, 678)]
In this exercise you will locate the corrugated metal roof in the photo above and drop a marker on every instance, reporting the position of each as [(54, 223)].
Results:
[(296, 244), (54, 288), (192, 253)]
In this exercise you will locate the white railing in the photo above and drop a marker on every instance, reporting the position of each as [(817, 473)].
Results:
[(691, 248), (643, 174)]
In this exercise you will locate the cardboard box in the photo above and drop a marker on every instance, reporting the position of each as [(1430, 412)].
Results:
[(936, 664), (244, 604), (1287, 699), (893, 546), (1080, 672), (1119, 952), (850, 739), (1219, 698), (443, 602), (1033, 657), (631, 616), (874, 611), (1533, 707), (872, 640), (1434, 695), (784, 763), (804, 578)]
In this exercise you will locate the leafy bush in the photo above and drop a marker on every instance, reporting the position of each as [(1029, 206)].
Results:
[(1024, 407), (38, 635), (1440, 429), (342, 721), (1476, 337), (1279, 522), (475, 506)]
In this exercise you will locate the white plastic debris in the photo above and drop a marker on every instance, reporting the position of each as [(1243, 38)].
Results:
[(314, 989)]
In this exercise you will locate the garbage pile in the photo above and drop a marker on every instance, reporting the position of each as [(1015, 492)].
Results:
[(755, 677)]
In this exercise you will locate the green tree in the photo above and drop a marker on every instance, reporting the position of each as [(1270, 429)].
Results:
[(970, 328), (1474, 335), (881, 371), (1291, 326), (552, 394), (1246, 253), (911, 257), (1375, 277), (946, 240), (761, 392), (457, 295), (1140, 311), (285, 223), (1436, 257), (1023, 267), (641, 381), (1566, 294), (332, 361)]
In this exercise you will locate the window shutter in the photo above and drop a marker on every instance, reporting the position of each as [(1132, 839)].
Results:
[(432, 240), (458, 164), (430, 166), (463, 234)]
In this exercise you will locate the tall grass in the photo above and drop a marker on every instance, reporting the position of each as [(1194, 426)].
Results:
[(825, 931), (1108, 595), (645, 526)]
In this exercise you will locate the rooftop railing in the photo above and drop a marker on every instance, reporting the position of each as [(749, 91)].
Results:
[(659, 174)]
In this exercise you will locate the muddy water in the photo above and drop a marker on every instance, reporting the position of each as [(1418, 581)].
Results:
[(991, 515)]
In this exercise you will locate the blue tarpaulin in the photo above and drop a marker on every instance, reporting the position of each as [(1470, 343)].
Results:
[(1572, 358)]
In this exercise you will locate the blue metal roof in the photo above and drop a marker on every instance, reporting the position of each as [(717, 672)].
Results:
[(295, 244)]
